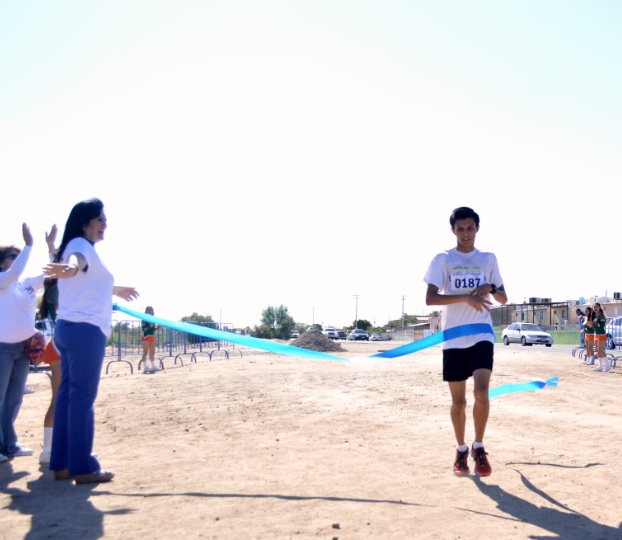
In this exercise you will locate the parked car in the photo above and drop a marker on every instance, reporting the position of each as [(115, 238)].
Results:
[(294, 335), (375, 337), (614, 332), (341, 334), (331, 333), (526, 334), (358, 334)]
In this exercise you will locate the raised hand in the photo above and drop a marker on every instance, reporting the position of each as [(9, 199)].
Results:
[(28, 240), (50, 238)]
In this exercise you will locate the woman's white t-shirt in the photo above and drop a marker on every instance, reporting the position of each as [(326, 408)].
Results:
[(87, 297), (18, 301), (454, 272)]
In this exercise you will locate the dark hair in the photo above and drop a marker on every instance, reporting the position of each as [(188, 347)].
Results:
[(79, 217), (464, 212), (47, 308), (589, 314), (5, 250)]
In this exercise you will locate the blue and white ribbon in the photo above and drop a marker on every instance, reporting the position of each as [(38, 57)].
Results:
[(521, 387), (248, 341), (437, 339), (290, 350)]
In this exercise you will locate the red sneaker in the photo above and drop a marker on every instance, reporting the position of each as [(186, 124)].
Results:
[(482, 467), (461, 467)]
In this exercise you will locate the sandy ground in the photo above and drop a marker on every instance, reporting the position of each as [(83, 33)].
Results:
[(266, 446)]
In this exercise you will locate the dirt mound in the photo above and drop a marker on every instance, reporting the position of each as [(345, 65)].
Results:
[(314, 340)]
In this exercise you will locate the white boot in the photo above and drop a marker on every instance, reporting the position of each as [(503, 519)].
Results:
[(591, 360), (600, 365), (607, 366)]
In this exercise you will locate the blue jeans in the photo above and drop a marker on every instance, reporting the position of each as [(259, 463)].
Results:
[(82, 347), (14, 368)]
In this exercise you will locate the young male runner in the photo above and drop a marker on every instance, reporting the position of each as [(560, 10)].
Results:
[(463, 279)]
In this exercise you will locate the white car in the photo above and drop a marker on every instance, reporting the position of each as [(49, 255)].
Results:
[(526, 334), (375, 337), (331, 333)]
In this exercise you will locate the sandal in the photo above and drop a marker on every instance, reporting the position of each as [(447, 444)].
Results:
[(62, 475), (97, 476)]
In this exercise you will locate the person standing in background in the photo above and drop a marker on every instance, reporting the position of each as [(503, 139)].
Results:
[(47, 310), (600, 338), (581, 323), (589, 337), (149, 344)]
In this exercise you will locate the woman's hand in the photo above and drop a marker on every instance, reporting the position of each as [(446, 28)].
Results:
[(127, 293), (60, 271), (50, 239), (27, 235)]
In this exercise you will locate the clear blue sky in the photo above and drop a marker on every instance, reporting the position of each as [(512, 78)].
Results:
[(299, 153)]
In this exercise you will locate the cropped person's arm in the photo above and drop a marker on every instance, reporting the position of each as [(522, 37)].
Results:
[(75, 263), (127, 293), (19, 265)]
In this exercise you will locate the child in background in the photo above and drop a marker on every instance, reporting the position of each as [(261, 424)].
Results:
[(149, 345)]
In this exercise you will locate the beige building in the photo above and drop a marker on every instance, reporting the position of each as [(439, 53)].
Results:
[(545, 312)]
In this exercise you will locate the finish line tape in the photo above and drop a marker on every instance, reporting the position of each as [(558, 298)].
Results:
[(521, 387), (437, 339), (219, 335), (290, 350)]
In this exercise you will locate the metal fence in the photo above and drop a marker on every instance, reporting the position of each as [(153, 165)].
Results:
[(125, 341)]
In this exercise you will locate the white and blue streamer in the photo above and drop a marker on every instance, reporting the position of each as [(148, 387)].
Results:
[(437, 339), (249, 341), (290, 350), (521, 387)]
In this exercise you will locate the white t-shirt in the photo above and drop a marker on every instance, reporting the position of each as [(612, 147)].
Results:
[(18, 301), (454, 272), (86, 297)]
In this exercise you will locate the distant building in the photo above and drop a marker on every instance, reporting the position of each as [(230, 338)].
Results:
[(545, 312)]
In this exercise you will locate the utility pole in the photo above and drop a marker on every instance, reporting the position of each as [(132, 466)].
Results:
[(403, 298), (356, 309)]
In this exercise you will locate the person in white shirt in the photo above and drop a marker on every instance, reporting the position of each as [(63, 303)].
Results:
[(18, 305), (84, 322), (464, 279)]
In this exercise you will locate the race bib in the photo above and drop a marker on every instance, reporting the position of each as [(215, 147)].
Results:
[(466, 281)]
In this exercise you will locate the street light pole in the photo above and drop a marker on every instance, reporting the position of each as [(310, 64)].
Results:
[(403, 297), (356, 309)]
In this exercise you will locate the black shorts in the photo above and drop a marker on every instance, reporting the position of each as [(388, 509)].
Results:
[(459, 364)]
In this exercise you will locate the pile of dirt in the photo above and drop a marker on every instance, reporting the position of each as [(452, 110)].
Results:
[(314, 340)]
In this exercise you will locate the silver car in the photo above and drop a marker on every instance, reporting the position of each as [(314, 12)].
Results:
[(358, 334), (526, 334), (614, 332)]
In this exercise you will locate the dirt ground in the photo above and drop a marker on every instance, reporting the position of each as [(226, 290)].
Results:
[(261, 446)]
